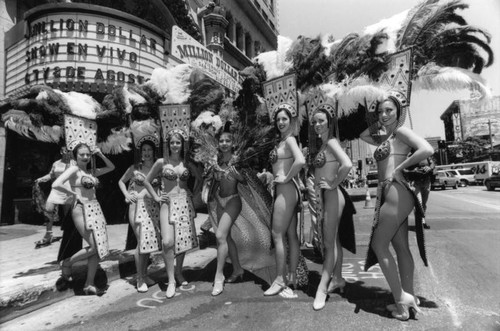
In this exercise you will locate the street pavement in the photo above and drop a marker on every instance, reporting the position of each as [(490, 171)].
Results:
[(457, 291)]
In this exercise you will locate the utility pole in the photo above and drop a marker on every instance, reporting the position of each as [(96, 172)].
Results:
[(491, 138)]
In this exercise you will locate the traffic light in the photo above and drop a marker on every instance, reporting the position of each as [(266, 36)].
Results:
[(441, 144), (369, 161), (360, 165)]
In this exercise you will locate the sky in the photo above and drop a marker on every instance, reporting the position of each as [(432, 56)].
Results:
[(311, 18)]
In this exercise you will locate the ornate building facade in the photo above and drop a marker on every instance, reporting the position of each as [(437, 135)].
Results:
[(96, 45)]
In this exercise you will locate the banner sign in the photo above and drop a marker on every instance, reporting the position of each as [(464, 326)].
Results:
[(188, 50), (478, 119)]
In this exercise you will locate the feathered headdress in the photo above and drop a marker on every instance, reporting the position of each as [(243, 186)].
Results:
[(364, 95), (281, 93), (79, 130), (175, 119), (143, 131)]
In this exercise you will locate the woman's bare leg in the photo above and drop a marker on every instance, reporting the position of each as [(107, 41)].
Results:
[(333, 206), (284, 210), (89, 253), (224, 240), (406, 264), (167, 237), (396, 208)]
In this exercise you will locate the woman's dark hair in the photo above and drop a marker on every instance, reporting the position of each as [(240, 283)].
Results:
[(177, 135), (287, 112), (77, 147), (332, 126), (150, 144)]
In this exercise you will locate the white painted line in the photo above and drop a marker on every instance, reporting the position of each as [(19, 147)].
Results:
[(448, 302), (478, 203)]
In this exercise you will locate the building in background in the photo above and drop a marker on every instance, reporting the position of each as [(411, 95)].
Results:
[(94, 46), (467, 119)]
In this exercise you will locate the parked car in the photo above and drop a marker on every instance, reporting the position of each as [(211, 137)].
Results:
[(492, 182), (466, 176), (444, 179), (372, 178)]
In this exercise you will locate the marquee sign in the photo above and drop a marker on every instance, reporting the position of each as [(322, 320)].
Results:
[(188, 50), (85, 50)]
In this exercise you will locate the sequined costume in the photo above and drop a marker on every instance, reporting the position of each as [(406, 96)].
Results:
[(93, 215), (346, 225), (181, 212), (371, 258), (251, 230), (147, 214)]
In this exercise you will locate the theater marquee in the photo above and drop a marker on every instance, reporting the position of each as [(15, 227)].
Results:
[(84, 50)]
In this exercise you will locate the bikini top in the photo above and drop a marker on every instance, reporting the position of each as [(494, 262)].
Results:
[(273, 156), (138, 178), (88, 182), (320, 160), (170, 174), (384, 150)]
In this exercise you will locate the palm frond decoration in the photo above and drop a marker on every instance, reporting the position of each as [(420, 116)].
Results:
[(20, 122)]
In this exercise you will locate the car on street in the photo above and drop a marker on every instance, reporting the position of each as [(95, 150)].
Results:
[(372, 178), (466, 176), (444, 179), (492, 182)]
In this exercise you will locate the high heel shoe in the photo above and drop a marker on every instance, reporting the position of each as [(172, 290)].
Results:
[(292, 281), (180, 280), (320, 300), (66, 270), (332, 287), (235, 278), (276, 287), (404, 306), (170, 292), (392, 307), (149, 281), (218, 287), (90, 290), (142, 287)]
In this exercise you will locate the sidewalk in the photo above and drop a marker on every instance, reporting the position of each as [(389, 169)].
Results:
[(28, 276)]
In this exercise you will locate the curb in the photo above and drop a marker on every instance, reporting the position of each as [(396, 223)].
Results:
[(44, 292)]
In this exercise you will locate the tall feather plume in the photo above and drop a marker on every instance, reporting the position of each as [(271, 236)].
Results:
[(117, 142), (415, 22), (172, 84), (434, 77), (132, 96), (276, 63), (207, 95), (438, 34), (310, 63), (80, 104), (249, 100)]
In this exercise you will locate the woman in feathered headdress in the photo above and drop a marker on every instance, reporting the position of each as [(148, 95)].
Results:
[(143, 211), (177, 212), (86, 212), (395, 200), (287, 160), (333, 205)]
